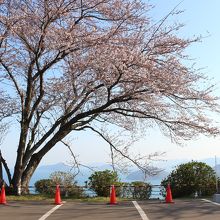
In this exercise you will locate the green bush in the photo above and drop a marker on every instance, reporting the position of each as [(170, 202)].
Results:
[(68, 186), (141, 190), (45, 186), (100, 182), (134, 190), (190, 178)]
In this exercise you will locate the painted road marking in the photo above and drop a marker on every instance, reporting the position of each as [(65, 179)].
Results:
[(206, 200), (140, 210), (50, 212)]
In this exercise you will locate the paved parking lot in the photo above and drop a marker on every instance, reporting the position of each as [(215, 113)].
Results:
[(142, 210), (24, 210), (181, 209)]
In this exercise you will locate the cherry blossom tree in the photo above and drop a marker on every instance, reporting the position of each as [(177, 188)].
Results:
[(72, 65), (7, 109)]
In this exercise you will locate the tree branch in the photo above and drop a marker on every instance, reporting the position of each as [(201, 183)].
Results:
[(6, 167)]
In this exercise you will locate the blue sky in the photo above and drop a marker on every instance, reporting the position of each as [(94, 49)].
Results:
[(201, 17)]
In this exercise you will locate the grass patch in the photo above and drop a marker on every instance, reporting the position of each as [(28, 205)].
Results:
[(29, 198), (40, 197), (90, 199), (99, 199)]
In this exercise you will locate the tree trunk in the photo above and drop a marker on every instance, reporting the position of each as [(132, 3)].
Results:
[(16, 183), (22, 176), (18, 169), (29, 171), (25, 186)]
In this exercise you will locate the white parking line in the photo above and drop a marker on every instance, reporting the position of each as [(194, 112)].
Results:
[(206, 200), (46, 215), (140, 210)]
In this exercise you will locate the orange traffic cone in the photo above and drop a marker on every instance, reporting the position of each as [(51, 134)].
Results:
[(169, 198), (57, 196), (3, 197), (113, 196)]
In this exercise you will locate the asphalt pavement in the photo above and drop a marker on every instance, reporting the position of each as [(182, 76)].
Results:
[(196, 209), (24, 210), (142, 210)]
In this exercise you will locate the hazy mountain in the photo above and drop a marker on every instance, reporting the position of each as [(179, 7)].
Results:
[(139, 176), (44, 172), (171, 164)]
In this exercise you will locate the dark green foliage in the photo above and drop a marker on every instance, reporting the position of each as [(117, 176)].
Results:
[(134, 190), (141, 190), (45, 186), (190, 178), (100, 182)]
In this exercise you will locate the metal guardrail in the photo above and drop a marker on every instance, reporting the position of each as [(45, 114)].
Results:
[(136, 192)]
